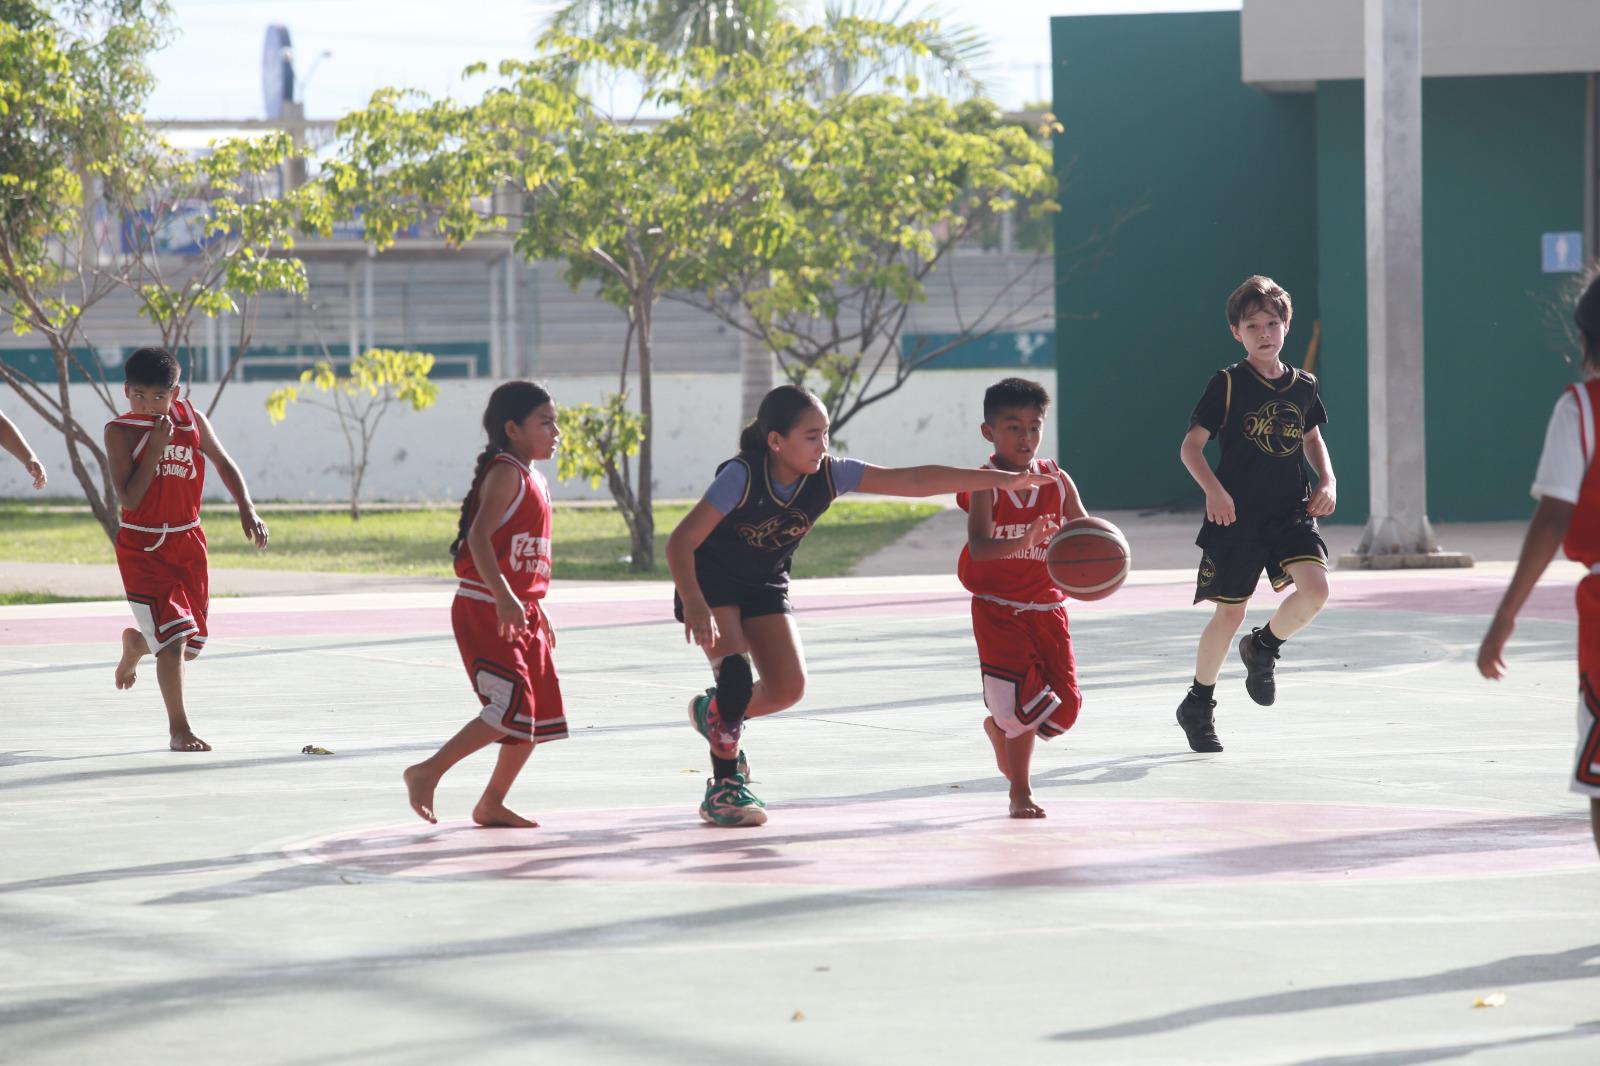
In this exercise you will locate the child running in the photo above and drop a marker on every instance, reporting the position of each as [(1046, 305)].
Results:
[(1567, 486), (1019, 618), (12, 441), (1261, 512), (502, 553), (158, 452), (730, 558)]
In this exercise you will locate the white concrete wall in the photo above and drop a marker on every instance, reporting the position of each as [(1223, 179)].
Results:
[(428, 455), (1294, 43)]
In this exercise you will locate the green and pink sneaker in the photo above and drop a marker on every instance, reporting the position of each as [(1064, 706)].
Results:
[(703, 716), (730, 804)]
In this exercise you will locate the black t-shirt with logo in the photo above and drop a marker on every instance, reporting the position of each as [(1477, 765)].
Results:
[(755, 542), (1260, 425)]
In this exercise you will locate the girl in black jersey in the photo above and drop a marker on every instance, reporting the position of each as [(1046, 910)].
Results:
[(730, 561), (1261, 510)]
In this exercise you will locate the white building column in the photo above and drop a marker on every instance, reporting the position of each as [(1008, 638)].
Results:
[(1398, 533), (369, 317), (352, 311), (497, 360), (515, 364)]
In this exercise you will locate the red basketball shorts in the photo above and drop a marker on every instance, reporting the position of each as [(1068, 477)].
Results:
[(167, 587), (1030, 680), (514, 679), (1586, 771)]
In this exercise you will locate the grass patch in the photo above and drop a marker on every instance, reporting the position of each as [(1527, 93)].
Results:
[(19, 599), (590, 542)]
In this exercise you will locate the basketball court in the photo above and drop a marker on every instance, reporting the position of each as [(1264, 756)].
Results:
[(1387, 846)]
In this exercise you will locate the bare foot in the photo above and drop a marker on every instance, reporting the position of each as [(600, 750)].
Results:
[(1023, 806), (133, 649), (499, 816), (419, 789), (186, 741), (998, 739)]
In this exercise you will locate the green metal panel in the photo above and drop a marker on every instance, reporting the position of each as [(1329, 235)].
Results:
[(1020, 349), (1502, 164), (1157, 120)]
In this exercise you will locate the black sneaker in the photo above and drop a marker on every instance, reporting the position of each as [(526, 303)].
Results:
[(1258, 666), (1197, 716)]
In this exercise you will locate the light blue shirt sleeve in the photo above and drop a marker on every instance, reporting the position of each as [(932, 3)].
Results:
[(847, 474), (727, 488)]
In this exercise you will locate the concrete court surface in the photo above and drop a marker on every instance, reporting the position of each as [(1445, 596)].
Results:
[(1387, 845)]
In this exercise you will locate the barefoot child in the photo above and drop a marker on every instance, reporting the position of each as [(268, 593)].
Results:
[(502, 554), (1567, 486), (1019, 617), (158, 453), (11, 440), (730, 559), (1261, 512)]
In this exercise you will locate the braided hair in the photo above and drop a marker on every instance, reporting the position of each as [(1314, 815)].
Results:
[(780, 409), (510, 402)]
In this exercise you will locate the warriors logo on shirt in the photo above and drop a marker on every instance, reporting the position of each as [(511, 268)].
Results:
[(778, 532), (1275, 427)]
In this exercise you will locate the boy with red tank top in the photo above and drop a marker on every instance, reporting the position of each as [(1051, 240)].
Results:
[(502, 554), (157, 452), (1019, 616), (1567, 486)]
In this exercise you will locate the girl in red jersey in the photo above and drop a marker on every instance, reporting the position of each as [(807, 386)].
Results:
[(502, 554), (157, 452), (1567, 486), (1019, 618)]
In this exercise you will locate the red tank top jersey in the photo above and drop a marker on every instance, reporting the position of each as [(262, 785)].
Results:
[(1582, 541), (173, 499), (521, 541), (1019, 578)]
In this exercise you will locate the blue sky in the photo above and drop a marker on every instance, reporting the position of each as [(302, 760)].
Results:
[(213, 68)]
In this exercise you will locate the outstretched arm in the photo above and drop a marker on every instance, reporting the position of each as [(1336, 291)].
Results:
[(254, 528), (936, 480), (1545, 532), (11, 440)]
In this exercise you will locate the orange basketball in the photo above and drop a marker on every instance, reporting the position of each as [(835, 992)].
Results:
[(1088, 559)]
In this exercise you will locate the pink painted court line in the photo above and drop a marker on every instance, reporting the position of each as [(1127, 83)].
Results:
[(966, 842), (1435, 594)]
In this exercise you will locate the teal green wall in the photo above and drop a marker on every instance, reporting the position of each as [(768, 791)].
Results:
[(1502, 164), (1156, 120)]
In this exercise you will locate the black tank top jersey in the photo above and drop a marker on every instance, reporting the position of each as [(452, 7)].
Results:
[(756, 541), (1260, 426)]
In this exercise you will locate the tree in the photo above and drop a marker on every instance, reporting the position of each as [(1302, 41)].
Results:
[(96, 208), (889, 185), (377, 380), (639, 211)]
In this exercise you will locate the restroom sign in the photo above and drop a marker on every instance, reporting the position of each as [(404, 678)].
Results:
[(1563, 252)]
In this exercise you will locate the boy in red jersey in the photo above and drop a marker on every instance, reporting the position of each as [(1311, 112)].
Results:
[(1567, 486), (1030, 682), (157, 452)]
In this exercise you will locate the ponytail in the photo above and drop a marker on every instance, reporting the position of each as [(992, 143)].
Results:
[(780, 409), (510, 402)]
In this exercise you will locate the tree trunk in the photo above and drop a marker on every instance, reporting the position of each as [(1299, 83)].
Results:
[(644, 524)]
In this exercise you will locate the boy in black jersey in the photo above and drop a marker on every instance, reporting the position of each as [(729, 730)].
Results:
[(1261, 511)]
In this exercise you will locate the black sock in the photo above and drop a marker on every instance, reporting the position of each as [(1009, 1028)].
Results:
[(1266, 639), (723, 768), (1202, 692), (734, 685)]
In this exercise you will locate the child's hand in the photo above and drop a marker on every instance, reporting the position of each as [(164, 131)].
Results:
[(511, 616), (160, 433), (255, 527), (547, 629), (1040, 530), (699, 627), (1219, 507), (1491, 653), (1323, 499), (36, 471)]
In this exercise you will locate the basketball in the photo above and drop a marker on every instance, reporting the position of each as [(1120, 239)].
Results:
[(1088, 559)]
